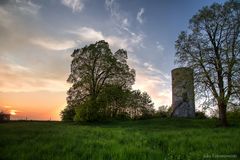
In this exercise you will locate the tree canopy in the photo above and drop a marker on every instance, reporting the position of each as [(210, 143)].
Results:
[(212, 48), (101, 85)]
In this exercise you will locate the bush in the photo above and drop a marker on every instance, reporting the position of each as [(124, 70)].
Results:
[(67, 114), (123, 116), (163, 112), (234, 114), (88, 111), (200, 115)]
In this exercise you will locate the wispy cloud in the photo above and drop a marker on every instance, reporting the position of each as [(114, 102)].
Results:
[(19, 7), (28, 7), (17, 78), (75, 5), (53, 44), (125, 22), (159, 46), (154, 70), (122, 22), (154, 86), (139, 15), (87, 34), (152, 80), (116, 14), (32, 58)]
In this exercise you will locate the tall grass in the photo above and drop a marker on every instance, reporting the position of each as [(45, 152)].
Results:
[(139, 140)]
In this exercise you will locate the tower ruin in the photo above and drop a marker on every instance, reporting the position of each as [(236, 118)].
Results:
[(183, 92)]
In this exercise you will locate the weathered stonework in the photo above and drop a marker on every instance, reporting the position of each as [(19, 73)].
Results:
[(183, 92)]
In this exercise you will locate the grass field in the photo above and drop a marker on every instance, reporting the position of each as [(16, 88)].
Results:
[(142, 139)]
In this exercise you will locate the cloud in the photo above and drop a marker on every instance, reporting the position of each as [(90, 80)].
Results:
[(24, 66), (123, 26), (87, 34), (18, 22), (139, 15), (28, 7), (152, 80), (159, 46), (32, 57), (75, 5), (113, 7), (118, 16), (125, 22), (91, 35), (137, 38), (154, 85), (109, 3), (150, 68), (17, 10), (53, 44), (17, 78)]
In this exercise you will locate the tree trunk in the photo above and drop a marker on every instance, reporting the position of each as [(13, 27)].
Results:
[(223, 114)]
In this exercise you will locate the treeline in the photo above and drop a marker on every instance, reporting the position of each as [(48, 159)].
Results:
[(102, 87)]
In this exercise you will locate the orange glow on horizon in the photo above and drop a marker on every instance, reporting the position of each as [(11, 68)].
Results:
[(7, 106), (39, 105)]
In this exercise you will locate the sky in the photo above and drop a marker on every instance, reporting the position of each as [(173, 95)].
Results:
[(37, 38)]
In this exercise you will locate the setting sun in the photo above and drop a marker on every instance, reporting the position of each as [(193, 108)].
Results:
[(13, 112)]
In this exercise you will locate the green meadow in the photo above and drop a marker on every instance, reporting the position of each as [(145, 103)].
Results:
[(139, 140)]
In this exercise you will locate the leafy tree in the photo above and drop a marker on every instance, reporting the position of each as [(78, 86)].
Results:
[(163, 111), (93, 67), (67, 114), (1, 116), (113, 100), (4, 116), (87, 111), (212, 49), (140, 105)]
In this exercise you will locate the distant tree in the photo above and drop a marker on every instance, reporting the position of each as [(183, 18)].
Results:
[(200, 115), (234, 112), (93, 67), (4, 116), (163, 108), (140, 105), (212, 49), (68, 113), (163, 111)]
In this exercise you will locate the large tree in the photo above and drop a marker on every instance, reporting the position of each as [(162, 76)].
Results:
[(212, 48), (93, 67)]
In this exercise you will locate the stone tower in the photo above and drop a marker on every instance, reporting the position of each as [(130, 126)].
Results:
[(183, 92)]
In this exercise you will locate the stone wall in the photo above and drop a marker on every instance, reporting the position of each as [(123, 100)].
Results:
[(183, 92)]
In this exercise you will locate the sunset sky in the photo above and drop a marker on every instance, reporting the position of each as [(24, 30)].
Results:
[(37, 38)]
